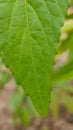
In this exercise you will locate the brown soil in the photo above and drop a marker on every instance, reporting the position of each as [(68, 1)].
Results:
[(49, 123)]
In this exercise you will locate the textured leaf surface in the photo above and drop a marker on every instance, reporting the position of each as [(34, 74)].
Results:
[(29, 32)]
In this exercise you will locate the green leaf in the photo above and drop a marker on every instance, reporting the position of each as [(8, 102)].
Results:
[(64, 73), (17, 99), (4, 79), (29, 32), (55, 104), (68, 26), (68, 102), (66, 43), (65, 86)]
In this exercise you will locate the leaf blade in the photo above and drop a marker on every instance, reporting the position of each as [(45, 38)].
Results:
[(24, 30)]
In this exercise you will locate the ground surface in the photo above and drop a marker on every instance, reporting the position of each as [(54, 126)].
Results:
[(6, 122)]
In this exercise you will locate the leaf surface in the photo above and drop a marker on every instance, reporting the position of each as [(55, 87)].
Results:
[(29, 33)]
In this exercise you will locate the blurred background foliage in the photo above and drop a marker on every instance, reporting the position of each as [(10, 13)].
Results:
[(62, 85)]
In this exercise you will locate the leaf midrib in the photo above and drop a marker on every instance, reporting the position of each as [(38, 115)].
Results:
[(30, 41)]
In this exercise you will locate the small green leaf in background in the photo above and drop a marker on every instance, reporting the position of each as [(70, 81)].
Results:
[(4, 76), (64, 73), (29, 33)]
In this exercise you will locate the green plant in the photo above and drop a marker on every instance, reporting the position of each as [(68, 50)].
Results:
[(21, 107), (4, 76), (29, 33), (63, 76)]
